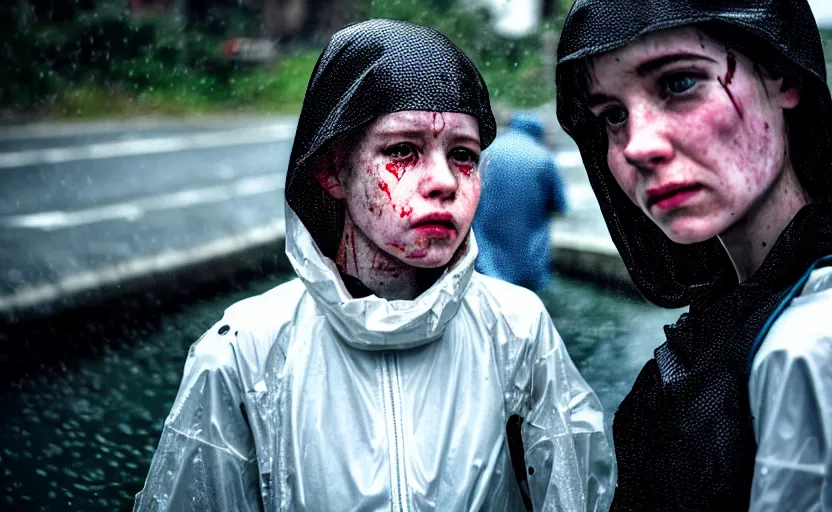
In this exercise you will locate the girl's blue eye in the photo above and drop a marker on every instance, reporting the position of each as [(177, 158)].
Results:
[(614, 116), (679, 84)]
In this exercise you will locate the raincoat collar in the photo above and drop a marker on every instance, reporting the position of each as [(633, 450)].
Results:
[(373, 323)]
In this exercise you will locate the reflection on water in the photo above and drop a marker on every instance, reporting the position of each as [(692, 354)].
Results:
[(79, 435)]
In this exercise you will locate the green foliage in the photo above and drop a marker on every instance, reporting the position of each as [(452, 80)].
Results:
[(107, 62), (276, 89), (109, 51)]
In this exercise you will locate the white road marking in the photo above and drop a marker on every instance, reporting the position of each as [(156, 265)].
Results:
[(53, 129), (133, 210), (142, 268), (244, 136)]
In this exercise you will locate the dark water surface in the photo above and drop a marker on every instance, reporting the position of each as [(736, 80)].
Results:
[(78, 433)]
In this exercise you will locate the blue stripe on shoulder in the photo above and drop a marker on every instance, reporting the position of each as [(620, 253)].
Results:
[(796, 289)]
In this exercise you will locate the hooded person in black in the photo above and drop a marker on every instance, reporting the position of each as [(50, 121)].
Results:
[(706, 131)]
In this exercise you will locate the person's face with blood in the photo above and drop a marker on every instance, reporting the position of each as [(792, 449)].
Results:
[(412, 186), (697, 135)]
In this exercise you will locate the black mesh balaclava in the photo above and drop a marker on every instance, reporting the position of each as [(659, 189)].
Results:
[(670, 274), (368, 69)]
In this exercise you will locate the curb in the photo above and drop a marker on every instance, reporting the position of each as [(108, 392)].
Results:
[(50, 129), (256, 249), (591, 259)]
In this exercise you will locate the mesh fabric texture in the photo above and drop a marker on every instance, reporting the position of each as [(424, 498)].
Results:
[(369, 69)]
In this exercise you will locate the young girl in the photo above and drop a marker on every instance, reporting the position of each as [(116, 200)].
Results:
[(384, 377), (705, 128)]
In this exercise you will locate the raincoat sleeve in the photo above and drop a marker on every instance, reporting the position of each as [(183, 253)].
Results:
[(206, 459), (570, 465), (791, 400)]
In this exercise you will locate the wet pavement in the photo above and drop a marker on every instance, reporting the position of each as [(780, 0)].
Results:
[(62, 219), (79, 431)]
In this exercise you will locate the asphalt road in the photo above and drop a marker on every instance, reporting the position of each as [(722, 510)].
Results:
[(82, 202)]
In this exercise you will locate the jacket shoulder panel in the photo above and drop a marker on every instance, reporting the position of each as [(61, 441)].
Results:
[(789, 389), (242, 341), (804, 328), (520, 307), (269, 310)]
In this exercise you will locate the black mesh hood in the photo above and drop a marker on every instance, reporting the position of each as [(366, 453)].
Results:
[(670, 274), (368, 69)]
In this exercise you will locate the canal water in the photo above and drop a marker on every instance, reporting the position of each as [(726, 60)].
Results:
[(78, 433)]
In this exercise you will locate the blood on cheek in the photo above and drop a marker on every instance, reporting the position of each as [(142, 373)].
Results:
[(397, 169), (385, 188)]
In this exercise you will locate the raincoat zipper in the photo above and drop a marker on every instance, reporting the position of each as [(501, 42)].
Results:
[(392, 406)]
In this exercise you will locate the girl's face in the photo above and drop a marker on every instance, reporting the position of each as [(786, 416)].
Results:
[(696, 132), (411, 184)]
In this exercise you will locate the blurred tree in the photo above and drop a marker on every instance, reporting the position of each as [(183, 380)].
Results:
[(290, 20), (554, 9)]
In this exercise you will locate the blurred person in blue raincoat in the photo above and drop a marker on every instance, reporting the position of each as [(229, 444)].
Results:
[(521, 189)]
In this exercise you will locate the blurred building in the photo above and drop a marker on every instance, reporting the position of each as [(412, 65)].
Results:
[(514, 19)]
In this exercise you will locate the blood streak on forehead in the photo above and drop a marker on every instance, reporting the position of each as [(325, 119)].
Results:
[(429, 122), (438, 124)]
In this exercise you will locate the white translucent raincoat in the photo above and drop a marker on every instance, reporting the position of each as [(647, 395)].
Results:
[(791, 400), (306, 399)]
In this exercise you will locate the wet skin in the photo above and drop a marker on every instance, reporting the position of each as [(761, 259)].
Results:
[(697, 140), (411, 188)]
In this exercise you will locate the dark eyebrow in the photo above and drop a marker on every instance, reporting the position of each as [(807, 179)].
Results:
[(644, 69), (468, 138), (651, 66), (415, 134), (420, 135), (593, 100)]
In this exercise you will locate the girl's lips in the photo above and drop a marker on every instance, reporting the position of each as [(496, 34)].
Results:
[(435, 225), (671, 196)]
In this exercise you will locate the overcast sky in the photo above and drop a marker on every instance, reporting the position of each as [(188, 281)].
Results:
[(823, 11)]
